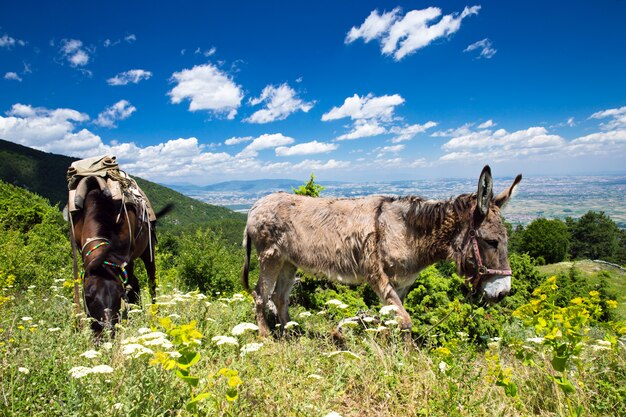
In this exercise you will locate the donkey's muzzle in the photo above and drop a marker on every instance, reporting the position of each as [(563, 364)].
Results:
[(496, 287)]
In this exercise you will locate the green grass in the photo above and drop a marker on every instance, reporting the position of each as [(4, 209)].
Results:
[(300, 375)]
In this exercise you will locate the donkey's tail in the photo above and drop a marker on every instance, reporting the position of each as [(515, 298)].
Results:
[(247, 244), (165, 210)]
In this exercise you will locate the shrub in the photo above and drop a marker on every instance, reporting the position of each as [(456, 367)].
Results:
[(547, 239)]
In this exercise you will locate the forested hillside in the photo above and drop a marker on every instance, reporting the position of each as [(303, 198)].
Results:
[(45, 174)]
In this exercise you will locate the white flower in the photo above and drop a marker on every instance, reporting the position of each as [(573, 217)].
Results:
[(333, 302), (23, 370), (251, 347), (535, 339), (351, 322), (164, 343), (107, 346), (153, 335), (221, 340), (174, 316), (135, 350), (391, 322), (200, 296), (333, 414), (376, 330), (603, 343), (27, 318), (238, 297), (143, 330), (242, 327), (442, 367), (101, 369), (291, 324), (385, 310), (54, 329), (30, 287), (117, 406), (79, 372), (314, 376), (345, 353), (135, 311), (90, 354), (304, 314), (368, 319), (174, 354)]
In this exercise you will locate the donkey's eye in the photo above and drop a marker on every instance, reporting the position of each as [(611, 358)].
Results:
[(492, 243)]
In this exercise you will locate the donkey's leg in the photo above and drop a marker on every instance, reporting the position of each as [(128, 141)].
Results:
[(270, 267), (132, 286), (280, 297), (385, 291), (151, 272)]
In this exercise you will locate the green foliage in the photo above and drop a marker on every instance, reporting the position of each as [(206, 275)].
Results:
[(596, 236), (545, 238), (203, 262), (310, 189), (34, 244), (440, 309)]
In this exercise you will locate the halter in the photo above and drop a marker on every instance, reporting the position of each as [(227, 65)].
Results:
[(481, 269)]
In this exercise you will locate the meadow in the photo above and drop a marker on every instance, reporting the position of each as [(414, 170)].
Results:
[(554, 347)]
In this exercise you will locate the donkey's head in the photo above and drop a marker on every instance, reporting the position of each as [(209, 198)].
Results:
[(484, 256)]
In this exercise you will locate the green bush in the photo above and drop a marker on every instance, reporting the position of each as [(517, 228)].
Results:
[(596, 236), (203, 261), (547, 239)]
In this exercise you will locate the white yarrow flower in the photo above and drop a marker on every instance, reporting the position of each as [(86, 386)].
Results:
[(101, 369), (333, 414), (79, 371), (23, 370), (535, 339), (304, 314), (90, 354), (54, 329), (291, 324), (333, 302), (251, 347), (27, 318), (386, 310), (442, 367), (241, 328), (135, 350), (225, 340)]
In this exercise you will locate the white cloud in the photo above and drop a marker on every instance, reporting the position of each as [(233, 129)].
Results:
[(307, 148), (486, 125), (408, 132), (403, 35), (207, 88), (279, 101), (486, 48), (237, 140), (130, 38), (131, 76), (118, 111), (12, 76), (503, 145), (367, 107), (8, 42), (207, 53), (363, 129), (388, 149), (314, 165), (74, 52), (570, 122), (601, 143), (266, 141), (617, 115), (458, 131)]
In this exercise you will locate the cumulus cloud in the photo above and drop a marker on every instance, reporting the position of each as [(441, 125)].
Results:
[(486, 125), (502, 145), (617, 118), (388, 149), (8, 42), (307, 148), (279, 101), (403, 35), (207, 88), (238, 140), (12, 76), (485, 46), (118, 111), (316, 165), (131, 76), (408, 132), (266, 141), (363, 129), (367, 107), (74, 52)]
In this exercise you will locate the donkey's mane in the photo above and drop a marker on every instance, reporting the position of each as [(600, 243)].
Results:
[(429, 214)]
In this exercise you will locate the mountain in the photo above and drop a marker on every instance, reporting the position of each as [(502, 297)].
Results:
[(44, 174)]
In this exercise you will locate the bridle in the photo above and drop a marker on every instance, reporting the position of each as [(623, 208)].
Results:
[(481, 270)]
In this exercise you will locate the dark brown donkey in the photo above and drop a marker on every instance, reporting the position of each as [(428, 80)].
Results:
[(110, 237), (382, 241)]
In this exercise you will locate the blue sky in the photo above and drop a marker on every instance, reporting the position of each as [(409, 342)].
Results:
[(202, 92)]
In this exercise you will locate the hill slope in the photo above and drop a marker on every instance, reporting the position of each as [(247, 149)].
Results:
[(44, 173)]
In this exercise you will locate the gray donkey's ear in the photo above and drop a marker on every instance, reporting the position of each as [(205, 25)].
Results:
[(485, 193), (503, 198)]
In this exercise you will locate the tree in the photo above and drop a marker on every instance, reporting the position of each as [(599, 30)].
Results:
[(310, 188), (545, 238), (596, 236)]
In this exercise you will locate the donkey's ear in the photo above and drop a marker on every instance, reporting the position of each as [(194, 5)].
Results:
[(503, 198), (485, 193)]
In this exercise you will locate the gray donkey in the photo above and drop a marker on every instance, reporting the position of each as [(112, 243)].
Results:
[(379, 240)]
